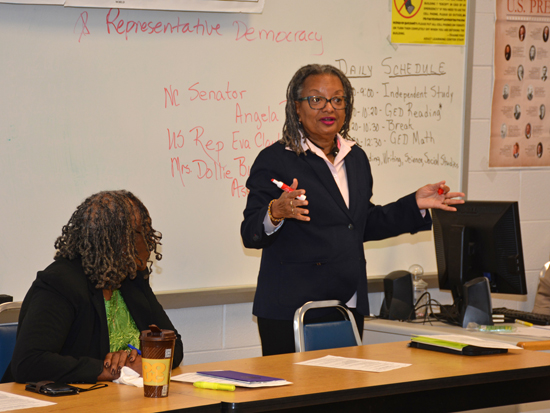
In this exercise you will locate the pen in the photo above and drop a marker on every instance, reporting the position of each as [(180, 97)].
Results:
[(133, 348), (213, 386), (287, 188), (523, 323)]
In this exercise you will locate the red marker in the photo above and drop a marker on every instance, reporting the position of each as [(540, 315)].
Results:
[(287, 188), (440, 191)]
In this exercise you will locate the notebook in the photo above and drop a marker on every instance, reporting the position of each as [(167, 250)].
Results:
[(235, 375), (468, 350)]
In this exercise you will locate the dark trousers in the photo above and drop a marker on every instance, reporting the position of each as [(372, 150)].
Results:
[(277, 336)]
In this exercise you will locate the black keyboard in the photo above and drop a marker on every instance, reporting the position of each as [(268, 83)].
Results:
[(534, 318)]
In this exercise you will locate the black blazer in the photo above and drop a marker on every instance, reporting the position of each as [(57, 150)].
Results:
[(324, 258), (62, 333)]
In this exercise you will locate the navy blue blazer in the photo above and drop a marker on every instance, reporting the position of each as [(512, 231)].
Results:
[(324, 258)]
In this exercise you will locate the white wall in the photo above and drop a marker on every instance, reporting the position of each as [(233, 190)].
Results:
[(230, 331)]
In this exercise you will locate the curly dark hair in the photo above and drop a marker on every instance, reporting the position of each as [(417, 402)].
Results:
[(102, 232), (292, 129)]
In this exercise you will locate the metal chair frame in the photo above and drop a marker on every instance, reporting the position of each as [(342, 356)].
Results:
[(298, 324)]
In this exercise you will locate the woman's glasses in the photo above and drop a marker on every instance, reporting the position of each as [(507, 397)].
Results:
[(319, 102)]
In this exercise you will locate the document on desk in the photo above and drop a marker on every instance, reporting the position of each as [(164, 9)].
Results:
[(193, 377), (348, 363), (535, 331), (9, 401)]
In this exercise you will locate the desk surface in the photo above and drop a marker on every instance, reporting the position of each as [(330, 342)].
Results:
[(449, 382), (116, 398), (468, 382)]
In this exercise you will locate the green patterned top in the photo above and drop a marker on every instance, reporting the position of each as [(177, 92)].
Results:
[(122, 327)]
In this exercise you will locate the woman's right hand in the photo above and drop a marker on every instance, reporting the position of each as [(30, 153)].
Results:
[(288, 206), (113, 363)]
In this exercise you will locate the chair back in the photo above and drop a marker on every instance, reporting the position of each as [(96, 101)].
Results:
[(7, 345), (9, 315), (332, 334), (9, 312)]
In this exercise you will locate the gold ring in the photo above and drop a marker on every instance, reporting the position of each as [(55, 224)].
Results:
[(291, 205)]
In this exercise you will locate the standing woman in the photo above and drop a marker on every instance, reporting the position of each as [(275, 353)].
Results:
[(84, 309), (313, 249)]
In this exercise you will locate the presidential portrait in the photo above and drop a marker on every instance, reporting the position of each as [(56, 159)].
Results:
[(521, 33), (520, 72), (532, 53), (517, 112)]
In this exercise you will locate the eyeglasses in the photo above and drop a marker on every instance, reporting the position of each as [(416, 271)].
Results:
[(319, 102)]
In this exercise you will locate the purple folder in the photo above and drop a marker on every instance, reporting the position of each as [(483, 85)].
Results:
[(235, 375)]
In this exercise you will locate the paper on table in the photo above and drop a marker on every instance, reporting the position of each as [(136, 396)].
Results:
[(10, 401), (472, 341), (535, 331), (348, 363), (193, 377)]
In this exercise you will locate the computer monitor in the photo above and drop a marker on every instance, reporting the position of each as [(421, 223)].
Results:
[(480, 239)]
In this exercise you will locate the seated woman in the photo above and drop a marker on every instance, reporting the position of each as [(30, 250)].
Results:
[(542, 298), (84, 309)]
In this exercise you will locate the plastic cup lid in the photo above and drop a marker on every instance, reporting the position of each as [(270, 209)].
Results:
[(156, 334)]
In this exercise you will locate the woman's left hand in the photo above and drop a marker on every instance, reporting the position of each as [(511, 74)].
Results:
[(115, 361), (429, 197), (134, 362)]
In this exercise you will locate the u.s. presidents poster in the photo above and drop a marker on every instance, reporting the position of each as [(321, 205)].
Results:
[(520, 126)]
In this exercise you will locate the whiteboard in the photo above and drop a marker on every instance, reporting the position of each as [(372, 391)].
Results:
[(175, 106)]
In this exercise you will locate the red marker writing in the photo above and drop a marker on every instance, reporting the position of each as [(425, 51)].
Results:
[(440, 191), (287, 188)]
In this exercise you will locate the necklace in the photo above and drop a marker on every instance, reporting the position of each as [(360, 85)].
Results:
[(333, 151)]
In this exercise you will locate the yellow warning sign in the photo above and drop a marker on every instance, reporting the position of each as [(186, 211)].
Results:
[(429, 21)]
